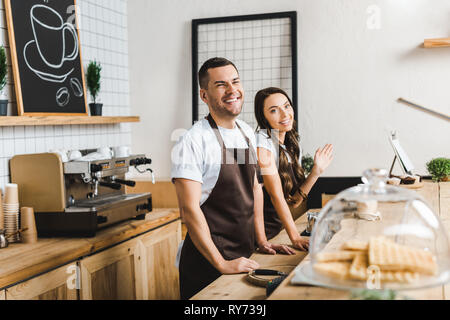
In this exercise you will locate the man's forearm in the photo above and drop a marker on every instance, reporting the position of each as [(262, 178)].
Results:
[(200, 234), (260, 231)]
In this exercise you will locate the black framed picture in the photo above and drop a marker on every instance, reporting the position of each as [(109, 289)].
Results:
[(46, 57), (262, 46)]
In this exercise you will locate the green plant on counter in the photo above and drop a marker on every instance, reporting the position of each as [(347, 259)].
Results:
[(439, 168), (307, 163), (367, 294), (3, 68), (93, 78)]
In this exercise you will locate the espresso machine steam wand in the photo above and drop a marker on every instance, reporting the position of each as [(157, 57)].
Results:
[(143, 161)]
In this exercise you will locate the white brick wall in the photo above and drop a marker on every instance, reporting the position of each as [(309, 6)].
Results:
[(104, 37)]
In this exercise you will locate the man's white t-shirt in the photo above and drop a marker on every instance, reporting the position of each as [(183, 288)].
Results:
[(198, 155)]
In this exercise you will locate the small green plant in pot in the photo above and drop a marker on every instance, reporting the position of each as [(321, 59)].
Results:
[(3, 81), (439, 168), (307, 163), (93, 82)]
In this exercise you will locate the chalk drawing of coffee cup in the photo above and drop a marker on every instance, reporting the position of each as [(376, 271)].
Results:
[(62, 97), (49, 32), (76, 86)]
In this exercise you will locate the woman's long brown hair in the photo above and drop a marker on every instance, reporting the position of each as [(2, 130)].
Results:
[(291, 143)]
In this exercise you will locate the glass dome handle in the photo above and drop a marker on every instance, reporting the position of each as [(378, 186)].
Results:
[(376, 178)]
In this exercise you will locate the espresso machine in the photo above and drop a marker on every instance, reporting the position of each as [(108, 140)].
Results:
[(77, 198)]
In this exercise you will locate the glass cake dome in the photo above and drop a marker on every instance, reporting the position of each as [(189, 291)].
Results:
[(377, 236)]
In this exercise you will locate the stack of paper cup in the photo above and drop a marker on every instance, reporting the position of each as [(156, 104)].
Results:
[(11, 211), (28, 224)]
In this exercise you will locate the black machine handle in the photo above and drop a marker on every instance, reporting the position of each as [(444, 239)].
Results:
[(140, 161), (101, 219), (145, 206), (129, 183), (115, 186), (96, 168)]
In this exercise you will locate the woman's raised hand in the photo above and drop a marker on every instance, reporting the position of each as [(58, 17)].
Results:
[(322, 159)]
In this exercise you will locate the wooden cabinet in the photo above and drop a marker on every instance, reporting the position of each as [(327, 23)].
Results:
[(158, 250), (139, 269), (130, 263), (59, 284), (113, 274)]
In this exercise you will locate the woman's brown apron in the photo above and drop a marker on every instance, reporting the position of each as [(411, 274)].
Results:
[(229, 214), (272, 222)]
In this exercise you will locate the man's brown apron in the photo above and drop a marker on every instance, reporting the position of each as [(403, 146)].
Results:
[(229, 214), (272, 222)]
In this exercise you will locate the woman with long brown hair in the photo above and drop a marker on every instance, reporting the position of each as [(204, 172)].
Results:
[(278, 146)]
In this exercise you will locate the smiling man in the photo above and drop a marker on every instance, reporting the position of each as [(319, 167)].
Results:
[(220, 199)]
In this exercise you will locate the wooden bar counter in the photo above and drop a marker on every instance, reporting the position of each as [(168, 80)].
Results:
[(236, 287), (130, 260)]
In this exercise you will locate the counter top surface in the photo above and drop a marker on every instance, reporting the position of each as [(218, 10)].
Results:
[(22, 261), (236, 287)]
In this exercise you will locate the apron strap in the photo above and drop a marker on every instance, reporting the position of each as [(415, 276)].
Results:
[(215, 128), (213, 125)]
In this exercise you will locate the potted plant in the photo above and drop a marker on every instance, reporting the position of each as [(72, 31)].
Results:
[(3, 81), (307, 163), (439, 168), (367, 294), (93, 83)]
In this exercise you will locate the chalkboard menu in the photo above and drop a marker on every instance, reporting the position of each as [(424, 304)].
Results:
[(46, 57)]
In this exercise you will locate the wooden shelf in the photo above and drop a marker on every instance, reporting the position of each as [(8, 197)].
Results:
[(437, 43), (62, 120)]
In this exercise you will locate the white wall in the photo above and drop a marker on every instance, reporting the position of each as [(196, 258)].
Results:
[(350, 76), (103, 37)]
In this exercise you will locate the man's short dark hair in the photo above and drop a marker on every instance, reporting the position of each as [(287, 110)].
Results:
[(203, 76)]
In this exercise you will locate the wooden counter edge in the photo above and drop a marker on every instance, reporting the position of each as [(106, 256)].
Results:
[(88, 246), (133, 228)]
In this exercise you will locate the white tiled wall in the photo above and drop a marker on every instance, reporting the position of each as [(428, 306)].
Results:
[(104, 37)]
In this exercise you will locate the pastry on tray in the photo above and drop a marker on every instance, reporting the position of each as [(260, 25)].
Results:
[(393, 262), (405, 179)]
